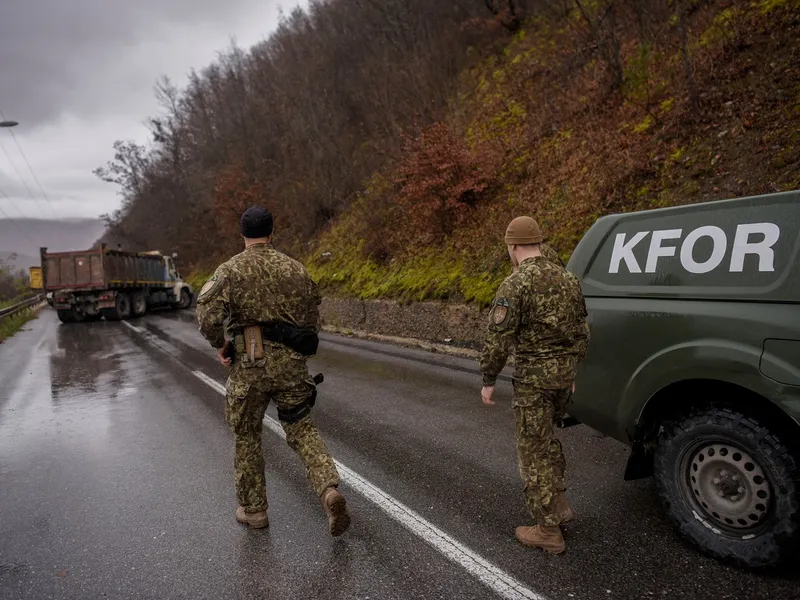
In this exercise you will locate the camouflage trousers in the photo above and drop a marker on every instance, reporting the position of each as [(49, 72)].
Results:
[(539, 454), (249, 394)]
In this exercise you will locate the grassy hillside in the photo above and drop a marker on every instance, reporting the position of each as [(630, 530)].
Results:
[(13, 324), (570, 122)]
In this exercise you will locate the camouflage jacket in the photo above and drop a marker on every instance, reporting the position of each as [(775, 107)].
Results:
[(539, 313), (257, 285), (551, 255)]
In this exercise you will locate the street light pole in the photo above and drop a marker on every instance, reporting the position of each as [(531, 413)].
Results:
[(8, 123)]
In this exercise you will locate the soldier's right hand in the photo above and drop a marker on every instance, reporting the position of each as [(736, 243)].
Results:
[(225, 360), (486, 394)]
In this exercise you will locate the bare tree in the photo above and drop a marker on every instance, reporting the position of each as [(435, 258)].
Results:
[(603, 28), (691, 84)]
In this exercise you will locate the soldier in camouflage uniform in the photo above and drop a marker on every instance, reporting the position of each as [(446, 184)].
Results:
[(539, 312), (549, 253), (260, 286)]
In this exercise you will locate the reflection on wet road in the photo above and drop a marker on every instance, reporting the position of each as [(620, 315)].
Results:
[(116, 482)]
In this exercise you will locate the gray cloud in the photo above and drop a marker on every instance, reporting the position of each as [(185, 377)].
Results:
[(79, 74), (52, 49)]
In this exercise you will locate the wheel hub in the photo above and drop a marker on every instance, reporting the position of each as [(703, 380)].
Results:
[(729, 486)]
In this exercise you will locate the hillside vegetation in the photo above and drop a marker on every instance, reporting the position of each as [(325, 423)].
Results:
[(395, 168), (14, 283)]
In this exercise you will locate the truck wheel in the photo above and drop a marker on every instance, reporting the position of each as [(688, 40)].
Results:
[(122, 310), (731, 486), (185, 301), (138, 304), (66, 315)]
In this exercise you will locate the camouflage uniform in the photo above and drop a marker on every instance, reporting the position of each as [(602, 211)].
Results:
[(539, 312), (260, 285), (550, 254)]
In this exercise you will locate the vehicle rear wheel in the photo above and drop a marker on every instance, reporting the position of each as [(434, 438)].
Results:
[(122, 310), (66, 315), (138, 304), (731, 486)]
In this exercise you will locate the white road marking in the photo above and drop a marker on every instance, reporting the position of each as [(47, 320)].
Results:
[(505, 585), (501, 582), (151, 339)]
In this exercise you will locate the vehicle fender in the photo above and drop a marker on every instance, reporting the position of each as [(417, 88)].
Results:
[(180, 285), (716, 359)]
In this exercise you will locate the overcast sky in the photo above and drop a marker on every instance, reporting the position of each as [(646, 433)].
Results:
[(79, 74)]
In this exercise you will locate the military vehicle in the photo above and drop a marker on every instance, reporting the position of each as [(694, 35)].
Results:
[(694, 363)]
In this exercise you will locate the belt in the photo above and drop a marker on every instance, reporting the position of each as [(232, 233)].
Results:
[(303, 340)]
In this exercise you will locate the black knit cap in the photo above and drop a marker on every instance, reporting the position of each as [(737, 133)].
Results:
[(256, 222)]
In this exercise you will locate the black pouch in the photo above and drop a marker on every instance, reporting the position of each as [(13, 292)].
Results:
[(302, 340)]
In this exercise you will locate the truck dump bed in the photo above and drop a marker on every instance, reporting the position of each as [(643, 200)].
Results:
[(101, 268)]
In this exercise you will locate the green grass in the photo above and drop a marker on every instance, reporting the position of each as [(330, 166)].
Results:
[(197, 279), (11, 325), (432, 275), (13, 301)]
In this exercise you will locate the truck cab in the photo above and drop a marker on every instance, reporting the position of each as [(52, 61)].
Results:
[(694, 362), (171, 271)]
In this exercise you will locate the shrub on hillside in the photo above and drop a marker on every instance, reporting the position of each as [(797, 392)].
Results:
[(441, 180)]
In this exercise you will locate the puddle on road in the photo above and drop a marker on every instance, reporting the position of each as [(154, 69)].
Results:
[(73, 389), (85, 359)]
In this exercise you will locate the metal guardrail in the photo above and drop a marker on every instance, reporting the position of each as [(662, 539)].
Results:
[(12, 310)]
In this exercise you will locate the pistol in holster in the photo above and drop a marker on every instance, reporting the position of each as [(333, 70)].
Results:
[(294, 414)]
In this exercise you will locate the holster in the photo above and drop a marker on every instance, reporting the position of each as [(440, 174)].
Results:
[(294, 414)]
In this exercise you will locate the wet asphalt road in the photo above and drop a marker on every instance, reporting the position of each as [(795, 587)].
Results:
[(116, 482)]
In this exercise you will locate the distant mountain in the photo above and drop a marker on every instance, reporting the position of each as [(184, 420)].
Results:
[(26, 236), (19, 261)]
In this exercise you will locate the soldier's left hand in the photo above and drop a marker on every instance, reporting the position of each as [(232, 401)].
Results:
[(486, 394)]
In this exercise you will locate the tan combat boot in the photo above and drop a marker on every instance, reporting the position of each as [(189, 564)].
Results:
[(563, 508), (336, 507), (256, 520), (546, 537)]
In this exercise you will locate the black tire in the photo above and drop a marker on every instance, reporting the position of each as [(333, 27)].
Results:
[(138, 304), (66, 315), (122, 310), (704, 461), (185, 301)]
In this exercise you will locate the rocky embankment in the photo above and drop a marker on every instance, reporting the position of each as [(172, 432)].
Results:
[(436, 326)]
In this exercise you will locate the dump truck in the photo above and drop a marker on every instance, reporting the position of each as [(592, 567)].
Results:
[(100, 282), (694, 363)]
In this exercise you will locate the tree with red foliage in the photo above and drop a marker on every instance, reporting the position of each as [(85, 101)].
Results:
[(234, 192), (442, 179)]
